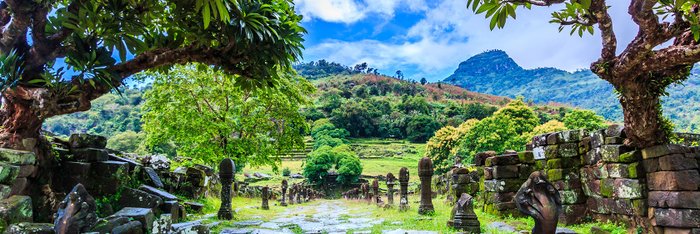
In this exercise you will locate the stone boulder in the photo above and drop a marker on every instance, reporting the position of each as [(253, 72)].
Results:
[(137, 198), (143, 215), (83, 140), (30, 228), (15, 209)]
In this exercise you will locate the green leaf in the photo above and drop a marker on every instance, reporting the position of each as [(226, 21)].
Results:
[(494, 20), (206, 15)]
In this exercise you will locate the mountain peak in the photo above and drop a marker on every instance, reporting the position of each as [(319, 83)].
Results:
[(488, 62)]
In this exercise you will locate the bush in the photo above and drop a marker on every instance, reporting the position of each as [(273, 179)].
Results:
[(322, 160), (442, 147), (286, 171), (421, 128), (318, 163), (327, 141)]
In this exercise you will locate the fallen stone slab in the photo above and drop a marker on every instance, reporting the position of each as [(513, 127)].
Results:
[(194, 227), (194, 206), (144, 215), (16, 209), (151, 177), (137, 198), (166, 196), (17, 157), (90, 155), (84, 140), (248, 223), (501, 226)]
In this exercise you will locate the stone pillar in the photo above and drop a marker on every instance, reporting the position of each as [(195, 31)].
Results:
[(299, 193), (390, 182), (284, 193), (425, 172), (375, 190), (291, 194), (265, 196), (460, 181), (226, 170), (403, 190)]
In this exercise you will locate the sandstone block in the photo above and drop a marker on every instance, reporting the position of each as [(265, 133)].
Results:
[(661, 150), (673, 199), (83, 140), (17, 157), (688, 180), (628, 188), (677, 162), (671, 217), (611, 153), (568, 150), (502, 160), (143, 215), (90, 155)]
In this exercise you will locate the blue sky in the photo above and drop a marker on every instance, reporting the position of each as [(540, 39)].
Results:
[(428, 38)]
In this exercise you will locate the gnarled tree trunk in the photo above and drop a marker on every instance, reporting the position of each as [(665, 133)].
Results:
[(19, 121), (644, 124)]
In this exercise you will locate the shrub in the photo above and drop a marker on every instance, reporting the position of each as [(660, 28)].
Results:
[(341, 158), (327, 141), (583, 119), (442, 147), (286, 171)]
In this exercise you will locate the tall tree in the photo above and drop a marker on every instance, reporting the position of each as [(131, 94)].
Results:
[(56, 56), (209, 117), (643, 70)]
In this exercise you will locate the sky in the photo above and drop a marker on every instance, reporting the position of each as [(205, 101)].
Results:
[(429, 38)]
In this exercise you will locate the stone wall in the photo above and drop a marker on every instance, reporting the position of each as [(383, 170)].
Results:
[(599, 178)]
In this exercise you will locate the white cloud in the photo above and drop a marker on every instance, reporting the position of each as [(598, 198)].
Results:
[(450, 33), (350, 11)]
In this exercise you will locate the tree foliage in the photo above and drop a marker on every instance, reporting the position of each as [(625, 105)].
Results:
[(209, 116), (443, 146), (421, 128), (584, 119), (326, 159), (253, 39), (548, 127), (501, 131)]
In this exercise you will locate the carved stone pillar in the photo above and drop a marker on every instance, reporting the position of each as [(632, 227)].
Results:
[(265, 196), (403, 190), (375, 190), (464, 217), (284, 193), (539, 199), (390, 182), (425, 172), (226, 170)]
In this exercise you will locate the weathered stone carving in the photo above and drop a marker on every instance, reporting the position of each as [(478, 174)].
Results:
[(390, 182), (539, 199), (265, 196), (77, 212), (463, 217), (226, 170), (425, 172), (375, 191), (299, 193), (403, 190), (284, 193)]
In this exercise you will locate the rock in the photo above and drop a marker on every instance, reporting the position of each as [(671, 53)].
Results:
[(611, 153), (502, 160), (83, 140), (163, 224), (480, 158), (106, 225), (505, 171), (565, 231), (677, 162), (132, 227), (661, 150), (194, 227), (677, 217), (261, 175), (106, 177), (132, 164), (90, 155), (502, 227), (296, 176), (19, 186), (30, 228), (8, 173), (615, 130), (248, 223), (17, 157), (79, 174), (16, 209), (688, 180), (673, 199), (137, 198), (194, 206), (5, 191), (143, 215), (151, 177), (172, 208), (162, 194), (27, 170), (76, 213), (628, 188), (158, 162), (568, 150)]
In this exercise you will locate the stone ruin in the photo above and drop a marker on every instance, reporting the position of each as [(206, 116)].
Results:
[(425, 173), (403, 189), (600, 178)]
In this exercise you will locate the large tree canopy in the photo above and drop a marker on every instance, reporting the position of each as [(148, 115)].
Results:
[(209, 117), (57, 56), (662, 53)]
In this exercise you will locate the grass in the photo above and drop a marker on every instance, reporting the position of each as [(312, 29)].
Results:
[(248, 209)]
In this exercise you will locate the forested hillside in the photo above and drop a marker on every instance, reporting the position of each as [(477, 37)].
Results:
[(358, 100), (494, 72)]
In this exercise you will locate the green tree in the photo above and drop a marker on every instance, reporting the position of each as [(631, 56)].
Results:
[(443, 146), (662, 53), (349, 165), (318, 163), (423, 81), (521, 114), (209, 116), (253, 39), (583, 119), (128, 141), (421, 128)]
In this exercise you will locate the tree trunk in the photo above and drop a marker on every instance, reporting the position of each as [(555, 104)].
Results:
[(19, 121), (644, 125)]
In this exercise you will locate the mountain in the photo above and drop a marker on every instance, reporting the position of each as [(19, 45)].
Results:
[(494, 72)]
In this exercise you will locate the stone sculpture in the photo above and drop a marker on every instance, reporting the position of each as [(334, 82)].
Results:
[(463, 217), (265, 196), (539, 199), (390, 182), (77, 213), (425, 172), (284, 193), (226, 170), (403, 190), (375, 190)]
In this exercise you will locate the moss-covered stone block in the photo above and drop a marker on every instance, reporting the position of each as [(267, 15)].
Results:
[(628, 188), (31, 228), (526, 157), (15, 209), (611, 153), (630, 157), (8, 173), (554, 163), (555, 174), (634, 170), (551, 151), (569, 197), (607, 187), (17, 157), (568, 150)]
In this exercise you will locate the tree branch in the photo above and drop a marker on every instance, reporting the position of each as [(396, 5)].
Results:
[(671, 56), (600, 11), (14, 35), (536, 2)]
